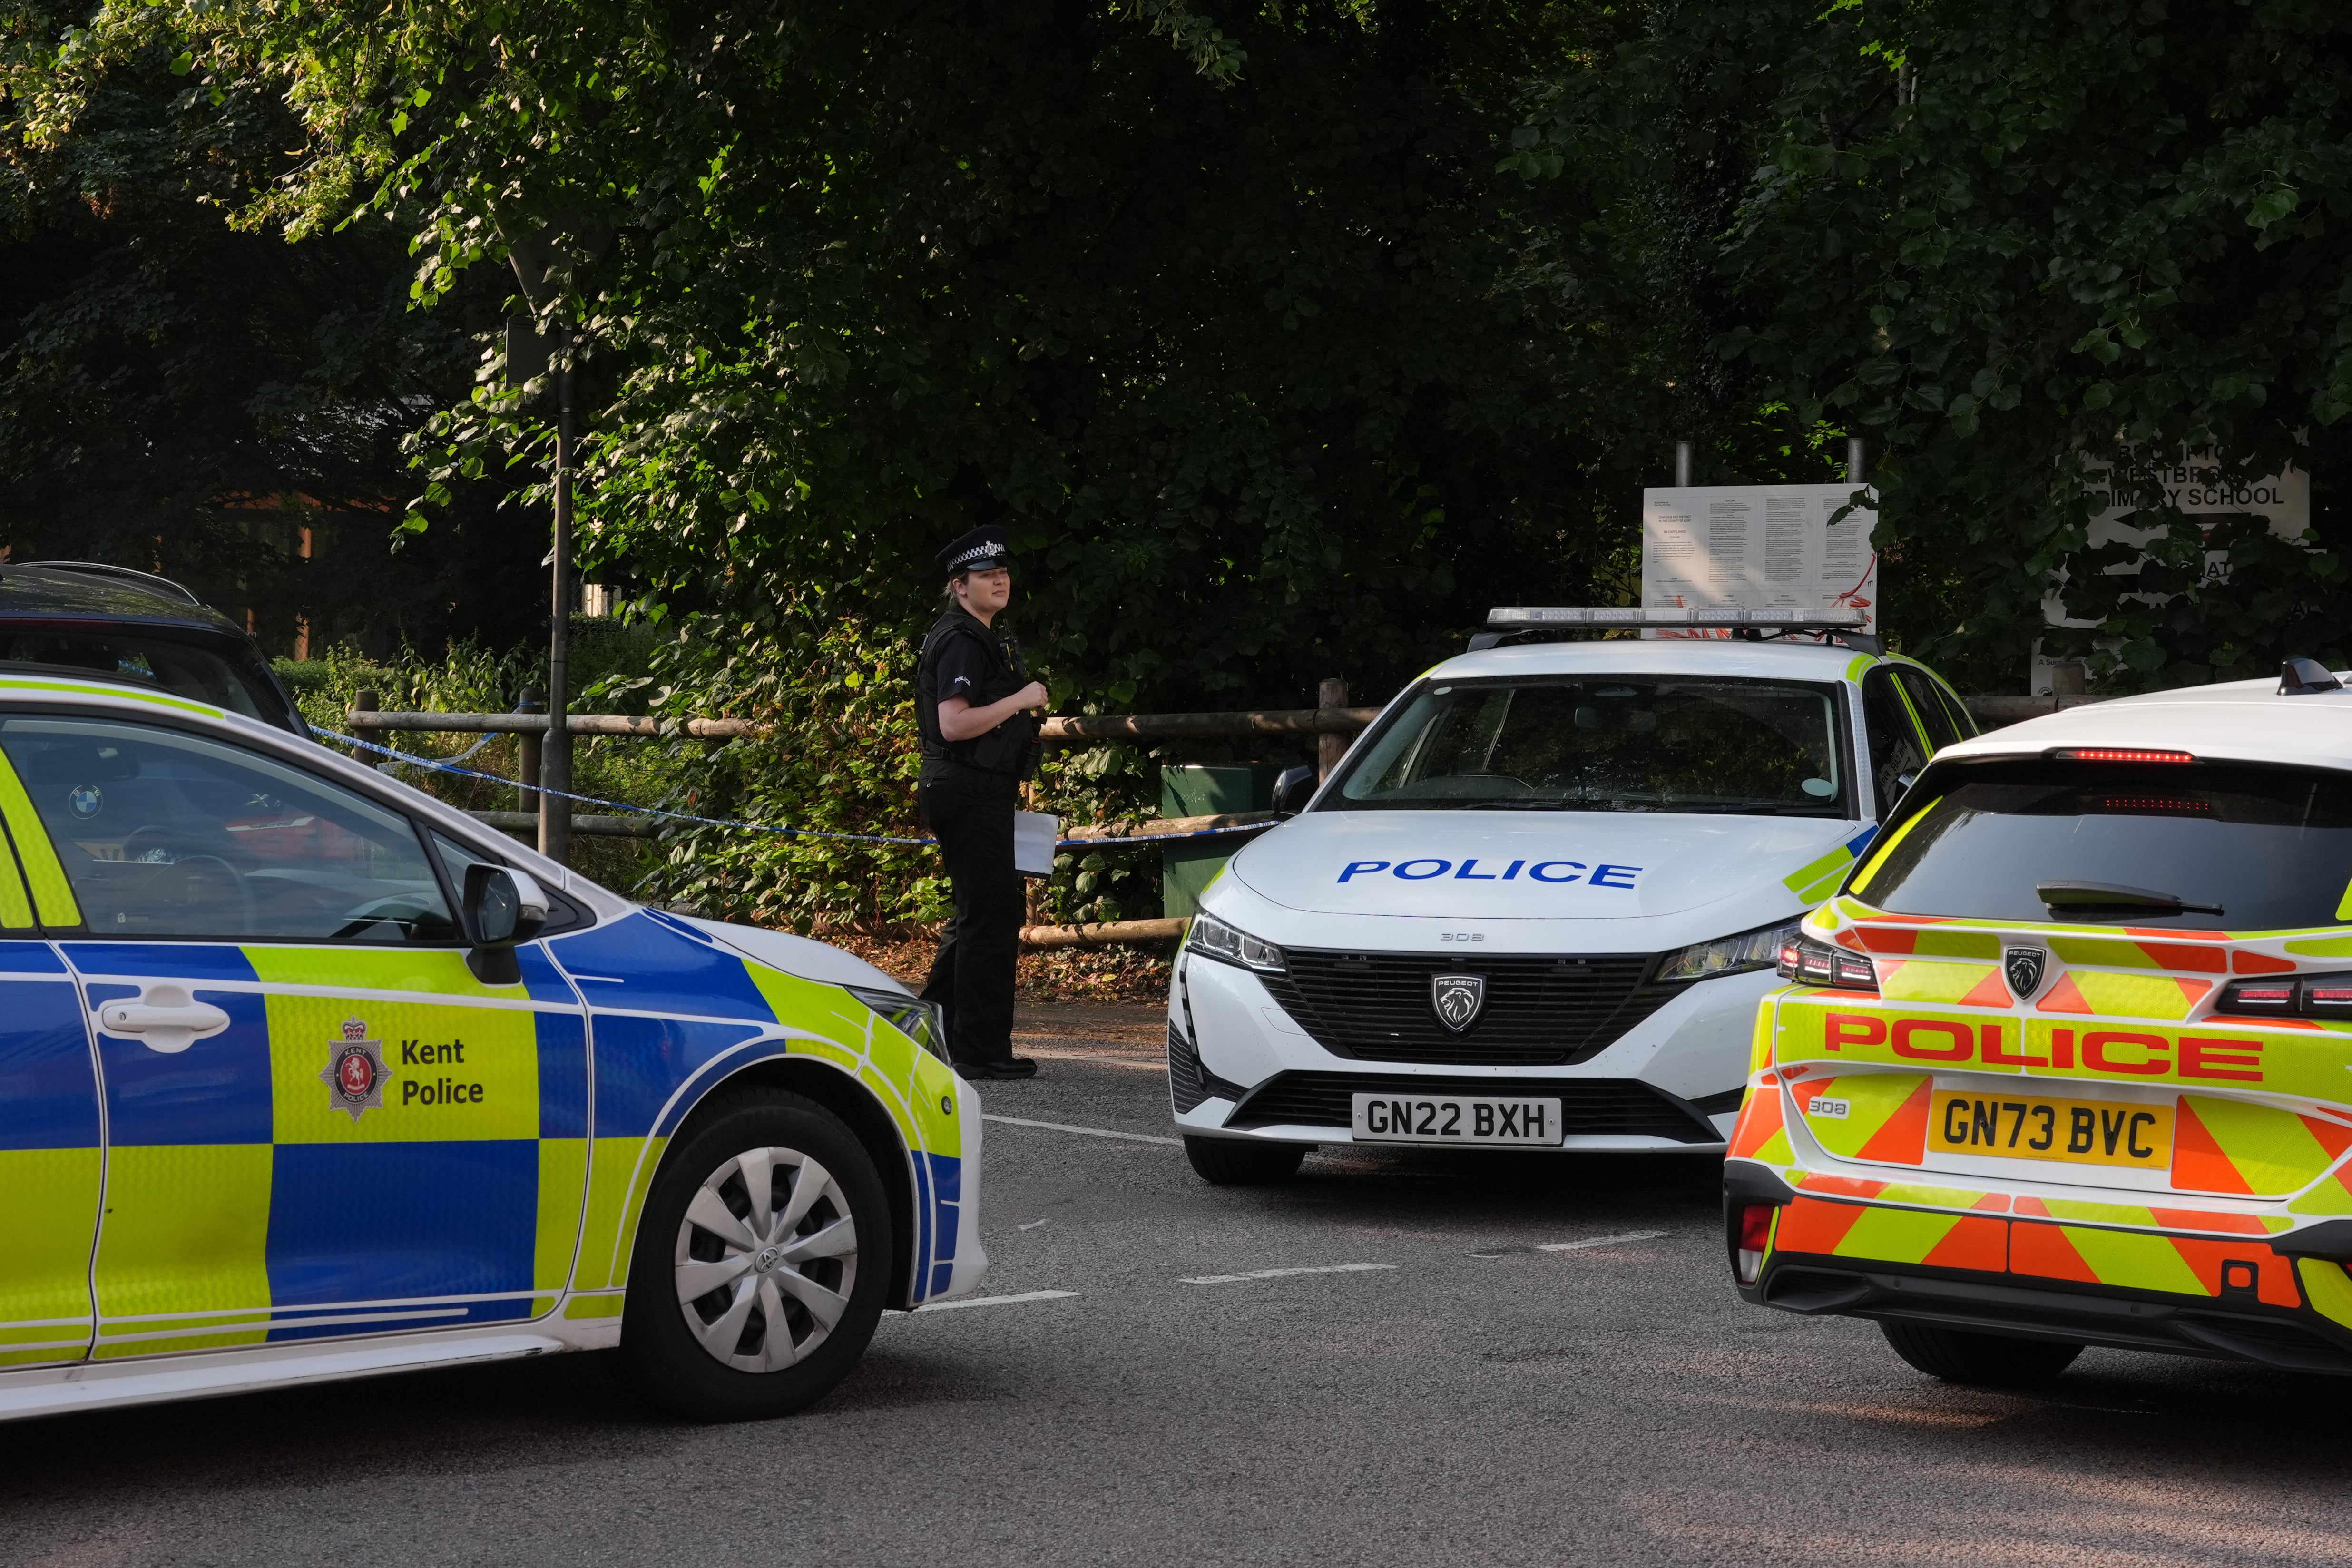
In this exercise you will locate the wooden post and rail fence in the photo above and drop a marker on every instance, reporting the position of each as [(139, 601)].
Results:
[(1332, 723)]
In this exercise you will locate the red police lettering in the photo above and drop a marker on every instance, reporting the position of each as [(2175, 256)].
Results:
[(1842, 1029), (1995, 1056), (2061, 1051), (2204, 1057), (2097, 1043), (1963, 1040)]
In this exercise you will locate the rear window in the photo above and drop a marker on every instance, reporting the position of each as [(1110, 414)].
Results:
[(2272, 848), (158, 664)]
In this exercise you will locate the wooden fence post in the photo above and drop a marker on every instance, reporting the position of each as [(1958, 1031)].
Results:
[(365, 700), (1328, 747), (527, 744)]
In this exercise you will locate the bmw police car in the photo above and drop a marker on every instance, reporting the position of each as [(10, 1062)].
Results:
[(304, 1075), (2066, 1062), (1538, 902)]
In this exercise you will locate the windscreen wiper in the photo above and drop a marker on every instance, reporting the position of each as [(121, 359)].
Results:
[(2092, 897)]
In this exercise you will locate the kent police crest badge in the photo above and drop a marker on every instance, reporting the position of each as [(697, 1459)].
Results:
[(2024, 967), (355, 1074), (1457, 999)]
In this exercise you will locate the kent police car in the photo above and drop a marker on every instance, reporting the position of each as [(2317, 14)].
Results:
[(1538, 902), (305, 1076), (2066, 1062)]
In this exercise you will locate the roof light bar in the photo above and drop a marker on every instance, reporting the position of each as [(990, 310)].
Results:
[(1527, 618), (2118, 754)]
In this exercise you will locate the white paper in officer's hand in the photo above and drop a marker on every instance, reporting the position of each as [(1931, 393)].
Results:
[(1033, 833)]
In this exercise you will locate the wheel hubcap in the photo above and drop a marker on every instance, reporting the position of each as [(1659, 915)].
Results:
[(767, 1257)]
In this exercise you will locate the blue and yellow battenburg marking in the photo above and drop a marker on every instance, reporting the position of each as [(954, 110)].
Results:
[(378, 1142)]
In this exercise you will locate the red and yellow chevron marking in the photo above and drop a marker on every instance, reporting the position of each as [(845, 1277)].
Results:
[(1967, 984), (1911, 941), (1759, 1133), (2105, 952), (2237, 1146), (2329, 1286), (2092, 994), (1876, 1116), (2153, 1218), (1895, 1236), (2177, 1265), (2136, 1260)]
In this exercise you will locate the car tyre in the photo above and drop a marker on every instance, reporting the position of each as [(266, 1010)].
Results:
[(1228, 1162), (795, 1287), (1992, 1361)]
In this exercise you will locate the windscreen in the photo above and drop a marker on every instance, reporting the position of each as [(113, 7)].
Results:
[(160, 664), (1620, 743), (2272, 848)]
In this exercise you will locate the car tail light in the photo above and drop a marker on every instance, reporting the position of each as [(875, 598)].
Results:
[(2118, 754), (1755, 1236), (1814, 962), (2299, 996)]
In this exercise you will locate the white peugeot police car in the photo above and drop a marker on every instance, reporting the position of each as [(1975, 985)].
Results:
[(1538, 902), (305, 1075)]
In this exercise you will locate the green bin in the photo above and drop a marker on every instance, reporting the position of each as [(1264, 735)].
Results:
[(1207, 789)]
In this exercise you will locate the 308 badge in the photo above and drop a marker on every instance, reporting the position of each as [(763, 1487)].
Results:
[(355, 1074)]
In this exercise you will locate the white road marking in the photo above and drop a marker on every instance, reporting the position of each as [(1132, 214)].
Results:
[(995, 1300), (1604, 1241), (1030, 1225), (1065, 1126), (1286, 1273)]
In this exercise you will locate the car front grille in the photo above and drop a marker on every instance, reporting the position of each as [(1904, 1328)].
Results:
[(1539, 1011), (1617, 1107)]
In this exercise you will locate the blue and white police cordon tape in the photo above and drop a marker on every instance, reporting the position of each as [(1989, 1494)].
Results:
[(438, 766)]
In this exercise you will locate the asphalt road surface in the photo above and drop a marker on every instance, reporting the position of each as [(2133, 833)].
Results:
[(1525, 1359)]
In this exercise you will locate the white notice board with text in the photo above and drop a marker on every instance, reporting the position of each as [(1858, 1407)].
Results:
[(1759, 547)]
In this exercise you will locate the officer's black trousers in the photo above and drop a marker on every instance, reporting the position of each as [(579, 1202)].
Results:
[(971, 813)]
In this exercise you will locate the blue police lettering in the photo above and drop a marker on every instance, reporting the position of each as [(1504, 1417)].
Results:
[(1467, 875), (1405, 870), (412, 1055), (1537, 871), (1513, 872), (1600, 878), (1363, 867)]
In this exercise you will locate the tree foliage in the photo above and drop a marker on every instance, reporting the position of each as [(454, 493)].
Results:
[(180, 396), (1289, 338)]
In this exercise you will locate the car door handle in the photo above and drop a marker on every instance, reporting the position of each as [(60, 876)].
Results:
[(165, 1018)]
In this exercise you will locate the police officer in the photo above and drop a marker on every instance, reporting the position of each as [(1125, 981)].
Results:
[(972, 701)]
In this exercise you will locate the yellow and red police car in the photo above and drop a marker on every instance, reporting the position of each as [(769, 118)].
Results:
[(2068, 1060), (306, 1076)]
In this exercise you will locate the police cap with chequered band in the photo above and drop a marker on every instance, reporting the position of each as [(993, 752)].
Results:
[(982, 550)]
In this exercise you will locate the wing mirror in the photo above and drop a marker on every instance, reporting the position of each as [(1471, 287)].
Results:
[(1293, 788), (503, 907)]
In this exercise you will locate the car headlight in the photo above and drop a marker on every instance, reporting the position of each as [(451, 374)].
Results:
[(925, 1023), (1758, 949), (1213, 938)]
